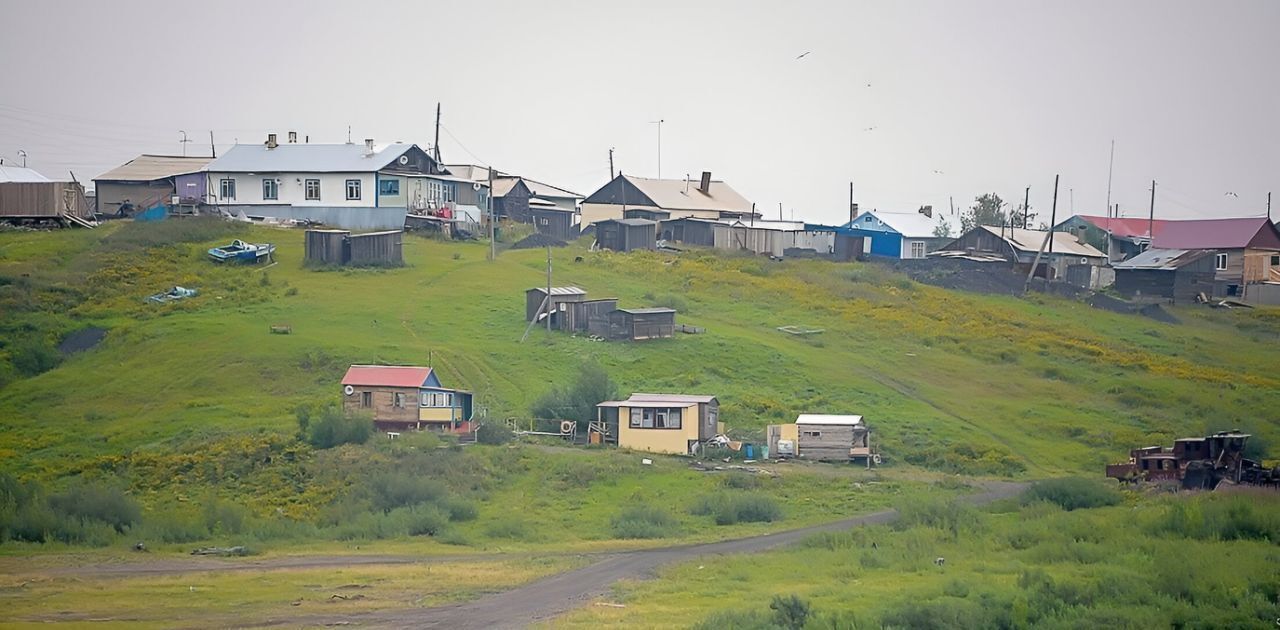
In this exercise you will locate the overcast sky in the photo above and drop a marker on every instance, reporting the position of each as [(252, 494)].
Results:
[(914, 102)]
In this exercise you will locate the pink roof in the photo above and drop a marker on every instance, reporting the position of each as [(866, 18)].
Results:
[(1218, 234), (1124, 227), (386, 375)]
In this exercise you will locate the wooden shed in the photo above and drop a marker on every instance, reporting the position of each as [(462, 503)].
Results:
[(534, 298), (624, 235), (823, 437), (341, 247), (642, 323), (591, 316), (689, 231), (1174, 274), (376, 249), (43, 200)]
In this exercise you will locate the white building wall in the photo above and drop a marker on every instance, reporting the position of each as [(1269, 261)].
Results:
[(292, 189)]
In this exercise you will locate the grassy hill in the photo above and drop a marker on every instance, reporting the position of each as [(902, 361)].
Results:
[(950, 381)]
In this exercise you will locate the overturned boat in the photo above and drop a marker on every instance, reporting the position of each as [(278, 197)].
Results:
[(240, 251)]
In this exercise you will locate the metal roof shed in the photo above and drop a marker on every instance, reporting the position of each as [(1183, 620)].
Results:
[(624, 235)]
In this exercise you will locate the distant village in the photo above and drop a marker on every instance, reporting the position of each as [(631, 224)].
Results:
[(357, 199)]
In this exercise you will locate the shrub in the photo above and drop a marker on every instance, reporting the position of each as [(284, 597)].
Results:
[(948, 515), (333, 427), (172, 526), (493, 433), (736, 620), (577, 401), (731, 508), (1073, 493), (403, 489), (427, 520), (789, 612), (32, 355), (97, 502), (644, 522), (460, 510)]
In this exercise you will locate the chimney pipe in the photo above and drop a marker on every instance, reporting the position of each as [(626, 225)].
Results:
[(293, 137), (368, 145), (307, 139), (853, 211), (271, 141), (705, 186)]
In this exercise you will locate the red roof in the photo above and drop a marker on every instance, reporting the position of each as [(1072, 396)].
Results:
[(1256, 232), (1124, 227), (386, 375)]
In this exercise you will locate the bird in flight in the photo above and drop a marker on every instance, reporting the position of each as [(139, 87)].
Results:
[(869, 129), (1231, 194), (803, 54), (938, 172)]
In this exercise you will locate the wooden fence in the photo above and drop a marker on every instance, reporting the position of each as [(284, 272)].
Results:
[(40, 200)]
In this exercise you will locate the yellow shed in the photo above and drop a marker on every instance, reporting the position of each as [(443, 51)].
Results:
[(661, 423)]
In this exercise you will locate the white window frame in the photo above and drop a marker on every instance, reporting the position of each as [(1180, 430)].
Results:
[(913, 249), (227, 188), (1220, 262), (353, 185), (306, 189), (397, 400), (270, 184)]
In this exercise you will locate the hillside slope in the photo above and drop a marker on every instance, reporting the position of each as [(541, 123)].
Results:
[(950, 381)]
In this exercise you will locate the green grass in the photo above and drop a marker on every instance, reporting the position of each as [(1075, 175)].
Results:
[(1145, 564), (197, 397)]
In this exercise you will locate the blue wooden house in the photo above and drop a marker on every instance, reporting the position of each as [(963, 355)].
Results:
[(901, 234)]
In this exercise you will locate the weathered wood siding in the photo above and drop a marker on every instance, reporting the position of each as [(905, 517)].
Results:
[(377, 248), (42, 199), (638, 326), (325, 247), (386, 413), (832, 442), (579, 315)]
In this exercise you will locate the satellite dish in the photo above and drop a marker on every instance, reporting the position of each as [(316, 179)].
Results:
[(475, 186), (349, 390), (404, 159)]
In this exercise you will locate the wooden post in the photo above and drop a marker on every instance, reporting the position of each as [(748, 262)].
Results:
[(549, 302), (1053, 217), (1048, 240), (1151, 218)]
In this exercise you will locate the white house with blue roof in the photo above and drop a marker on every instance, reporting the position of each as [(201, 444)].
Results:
[(348, 186), (903, 234)]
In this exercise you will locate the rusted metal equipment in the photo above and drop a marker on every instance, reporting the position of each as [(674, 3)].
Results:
[(1196, 463)]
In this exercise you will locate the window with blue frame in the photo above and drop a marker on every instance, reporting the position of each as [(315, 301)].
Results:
[(389, 187)]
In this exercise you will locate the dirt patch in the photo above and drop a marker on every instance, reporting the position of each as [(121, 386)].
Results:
[(538, 240), (82, 340)]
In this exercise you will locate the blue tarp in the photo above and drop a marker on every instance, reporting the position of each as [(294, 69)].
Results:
[(154, 213)]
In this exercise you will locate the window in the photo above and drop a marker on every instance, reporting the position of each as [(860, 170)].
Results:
[(353, 189), (313, 190), (227, 189), (366, 399), (812, 434), (389, 187), (544, 221), (270, 190), (656, 418), (437, 399), (1220, 262), (917, 249), (1275, 261), (397, 400)]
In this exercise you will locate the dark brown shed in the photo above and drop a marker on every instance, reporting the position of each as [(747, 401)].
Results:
[(624, 235), (642, 323)]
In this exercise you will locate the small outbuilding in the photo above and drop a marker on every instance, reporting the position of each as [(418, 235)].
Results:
[(624, 235), (676, 424), (636, 324), (823, 437), (1178, 275), (537, 303), (401, 398), (341, 247)]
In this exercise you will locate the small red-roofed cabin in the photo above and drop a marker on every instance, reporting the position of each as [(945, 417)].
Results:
[(405, 398)]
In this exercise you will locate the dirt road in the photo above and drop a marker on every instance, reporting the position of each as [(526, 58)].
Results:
[(561, 593)]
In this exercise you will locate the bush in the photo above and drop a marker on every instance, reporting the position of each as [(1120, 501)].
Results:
[(493, 433), (731, 508), (97, 502), (948, 515), (333, 427), (736, 620), (1073, 493), (578, 401), (401, 489), (789, 612), (31, 356), (460, 510), (644, 522), (427, 520)]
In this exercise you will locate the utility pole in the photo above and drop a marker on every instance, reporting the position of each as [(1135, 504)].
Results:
[(437, 144), (1268, 206), (549, 302), (1053, 216), (184, 142), (779, 210), (1110, 168), (659, 122), (851, 206), (611, 176), (1026, 208), (1151, 218), (952, 200), (493, 244), (213, 151), (1048, 240)]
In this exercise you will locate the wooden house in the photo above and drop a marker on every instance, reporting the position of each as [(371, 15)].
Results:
[(1247, 250), (902, 234), (636, 324), (1056, 250), (1177, 275), (549, 219), (676, 424), (624, 235), (151, 180), (402, 398), (703, 198), (824, 438)]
